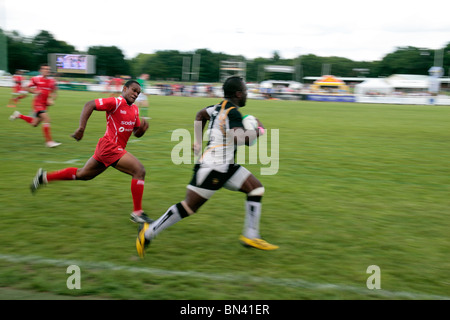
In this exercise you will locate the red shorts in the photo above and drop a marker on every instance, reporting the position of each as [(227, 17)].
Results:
[(108, 152), (38, 109)]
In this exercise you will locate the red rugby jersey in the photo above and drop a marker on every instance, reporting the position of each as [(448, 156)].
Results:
[(18, 79), (121, 119), (44, 86)]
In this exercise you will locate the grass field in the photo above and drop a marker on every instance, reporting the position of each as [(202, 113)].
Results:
[(357, 185)]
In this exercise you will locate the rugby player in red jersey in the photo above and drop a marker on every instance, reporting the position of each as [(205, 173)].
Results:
[(18, 92), (44, 88), (122, 119)]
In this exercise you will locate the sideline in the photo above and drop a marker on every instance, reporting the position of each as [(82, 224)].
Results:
[(8, 293), (225, 277)]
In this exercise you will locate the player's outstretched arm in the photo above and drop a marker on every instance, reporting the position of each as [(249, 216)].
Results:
[(89, 107), (202, 116)]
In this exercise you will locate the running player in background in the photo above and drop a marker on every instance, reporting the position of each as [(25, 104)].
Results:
[(217, 169), (18, 91), (142, 100), (116, 86), (44, 88), (122, 119)]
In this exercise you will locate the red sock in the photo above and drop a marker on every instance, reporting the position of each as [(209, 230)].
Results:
[(26, 118), (46, 131), (137, 191), (64, 174)]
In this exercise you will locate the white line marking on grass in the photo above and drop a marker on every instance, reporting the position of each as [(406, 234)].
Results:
[(73, 161), (299, 283)]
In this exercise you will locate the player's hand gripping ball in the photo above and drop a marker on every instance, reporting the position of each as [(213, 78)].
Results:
[(142, 128), (250, 122)]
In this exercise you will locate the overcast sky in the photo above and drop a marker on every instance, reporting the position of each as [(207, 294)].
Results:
[(358, 30)]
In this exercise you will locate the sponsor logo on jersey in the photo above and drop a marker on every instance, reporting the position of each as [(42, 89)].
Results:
[(122, 129)]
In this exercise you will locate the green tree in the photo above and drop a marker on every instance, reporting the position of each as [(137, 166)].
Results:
[(44, 43), (210, 64), (276, 56), (28, 53), (407, 60), (20, 53), (110, 61), (164, 65), (255, 69), (138, 64), (312, 65), (3, 51), (446, 61)]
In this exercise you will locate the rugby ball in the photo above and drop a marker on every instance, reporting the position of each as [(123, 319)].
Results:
[(250, 122)]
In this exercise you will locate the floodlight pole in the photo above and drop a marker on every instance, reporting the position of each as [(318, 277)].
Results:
[(439, 58), (186, 73), (196, 67), (326, 69), (185, 76)]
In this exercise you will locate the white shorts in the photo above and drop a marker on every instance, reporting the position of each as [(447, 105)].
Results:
[(141, 97), (206, 181)]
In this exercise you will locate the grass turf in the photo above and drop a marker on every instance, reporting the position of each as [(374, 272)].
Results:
[(357, 185)]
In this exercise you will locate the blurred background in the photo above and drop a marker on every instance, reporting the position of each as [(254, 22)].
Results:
[(356, 90)]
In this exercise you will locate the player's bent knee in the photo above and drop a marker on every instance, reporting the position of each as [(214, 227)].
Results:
[(139, 170), (187, 208), (85, 176), (257, 192), (139, 174)]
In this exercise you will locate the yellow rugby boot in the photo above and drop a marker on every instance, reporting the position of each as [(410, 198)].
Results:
[(257, 243), (141, 242)]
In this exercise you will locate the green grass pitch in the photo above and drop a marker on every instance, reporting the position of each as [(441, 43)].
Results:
[(357, 185)]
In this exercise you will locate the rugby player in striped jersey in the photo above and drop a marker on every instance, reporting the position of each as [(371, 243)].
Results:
[(216, 168)]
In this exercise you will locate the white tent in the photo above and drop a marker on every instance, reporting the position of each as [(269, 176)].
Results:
[(374, 86), (408, 81)]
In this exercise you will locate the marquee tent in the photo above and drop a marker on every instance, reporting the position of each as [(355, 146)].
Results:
[(329, 83), (374, 86), (408, 81)]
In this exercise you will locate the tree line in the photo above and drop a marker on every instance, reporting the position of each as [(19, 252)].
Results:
[(28, 53)]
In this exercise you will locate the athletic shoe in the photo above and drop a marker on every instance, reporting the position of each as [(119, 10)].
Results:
[(52, 144), (40, 179), (141, 218), (16, 114), (257, 243), (141, 242)]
